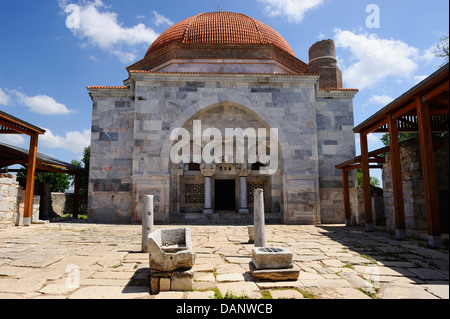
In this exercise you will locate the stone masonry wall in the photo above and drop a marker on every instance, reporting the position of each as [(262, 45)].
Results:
[(336, 143), (413, 189), (130, 145), (112, 144), (8, 200), (12, 202)]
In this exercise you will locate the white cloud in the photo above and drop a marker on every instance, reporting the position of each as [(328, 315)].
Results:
[(4, 98), (42, 104), (73, 141), (161, 20), (380, 100), (294, 10), (102, 29), (374, 59), (420, 78), (12, 139)]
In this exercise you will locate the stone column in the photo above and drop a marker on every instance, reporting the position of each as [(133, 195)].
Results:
[(208, 172), (243, 192), (147, 221), (208, 198), (259, 222)]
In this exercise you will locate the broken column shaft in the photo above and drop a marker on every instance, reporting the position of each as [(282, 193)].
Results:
[(259, 222), (147, 221)]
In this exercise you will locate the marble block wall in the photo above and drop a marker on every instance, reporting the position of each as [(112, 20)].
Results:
[(131, 139)]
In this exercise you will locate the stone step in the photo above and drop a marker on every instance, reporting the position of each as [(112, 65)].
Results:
[(222, 218)]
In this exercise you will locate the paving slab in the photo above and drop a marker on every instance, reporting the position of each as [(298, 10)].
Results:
[(335, 261)]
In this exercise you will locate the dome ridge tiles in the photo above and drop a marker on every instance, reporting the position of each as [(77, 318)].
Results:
[(220, 27)]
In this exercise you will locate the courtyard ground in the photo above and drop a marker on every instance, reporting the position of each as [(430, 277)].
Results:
[(92, 261)]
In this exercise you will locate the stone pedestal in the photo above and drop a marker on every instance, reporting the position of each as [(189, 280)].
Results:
[(171, 260), (178, 280), (274, 274), (273, 263)]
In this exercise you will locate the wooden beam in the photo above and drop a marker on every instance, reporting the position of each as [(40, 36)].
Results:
[(435, 92), (346, 190), (29, 190), (366, 182), (397, 186), (375, 126), (429, 174), (405, 110), (17, 129)]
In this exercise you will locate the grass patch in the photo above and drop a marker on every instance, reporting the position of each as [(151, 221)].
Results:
[(229, 295), (348, 266), (372, 261), (372, 295), (266, 294)]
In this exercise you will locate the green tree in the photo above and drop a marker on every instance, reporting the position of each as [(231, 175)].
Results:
[(401, 137), (442, 49), (373, 180), (59, 182)]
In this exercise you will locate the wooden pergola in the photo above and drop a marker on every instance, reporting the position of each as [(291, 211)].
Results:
[(34, 161), (424, 109)]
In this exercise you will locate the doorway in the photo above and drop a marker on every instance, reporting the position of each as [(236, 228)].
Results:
[(225, 194)]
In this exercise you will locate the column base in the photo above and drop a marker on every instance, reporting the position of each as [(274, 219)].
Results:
[(27, 221), (243, 211), (369, 227), (208, 211), (434, 241), (348, 222), (400, 234)]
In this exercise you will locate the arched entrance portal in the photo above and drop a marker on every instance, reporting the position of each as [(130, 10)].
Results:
[(221, 191)]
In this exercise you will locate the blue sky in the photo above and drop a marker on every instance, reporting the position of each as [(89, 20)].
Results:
[(46, 64)]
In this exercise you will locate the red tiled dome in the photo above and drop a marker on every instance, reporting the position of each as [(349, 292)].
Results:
[(220, 27)]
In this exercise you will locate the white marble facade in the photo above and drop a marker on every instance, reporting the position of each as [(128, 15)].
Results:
[(130, 147)]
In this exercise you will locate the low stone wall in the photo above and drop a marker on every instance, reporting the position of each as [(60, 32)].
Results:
[(413, 188), (21, 208), (8, 200), (62, 203), (12, 202)]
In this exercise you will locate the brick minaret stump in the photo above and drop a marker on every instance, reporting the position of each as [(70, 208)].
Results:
[(322, 60)]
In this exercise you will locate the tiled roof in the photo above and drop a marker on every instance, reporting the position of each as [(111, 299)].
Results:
[(220, 27), (339, 89), (107, 87), (286, 74)]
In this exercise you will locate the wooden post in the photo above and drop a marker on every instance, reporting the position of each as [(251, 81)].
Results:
[(29, 190), (76, 196), (429, 173), (346, 197), (366, 182), (397, 186)]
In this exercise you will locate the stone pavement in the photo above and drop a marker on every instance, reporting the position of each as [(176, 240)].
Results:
[(91, 261)]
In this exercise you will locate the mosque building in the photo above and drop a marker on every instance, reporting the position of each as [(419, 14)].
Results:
[(218, 107)]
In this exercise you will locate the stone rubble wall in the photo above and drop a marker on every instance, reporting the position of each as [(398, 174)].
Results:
[(62, 203), (413, 188), (8, 200), (12, 202)]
